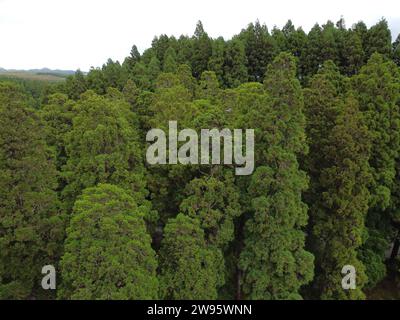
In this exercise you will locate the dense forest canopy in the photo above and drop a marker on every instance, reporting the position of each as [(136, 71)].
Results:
[(77, 193)]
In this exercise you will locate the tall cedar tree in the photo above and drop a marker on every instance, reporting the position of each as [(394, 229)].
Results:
[(235, 71), (260, 48), (274, 261), (103, 147), (57, 117), (378, 91), (172, 102), (339, 178), (378, 39), (216, 61), (202, 50), (31, 224), (108, 252), (187, 266)]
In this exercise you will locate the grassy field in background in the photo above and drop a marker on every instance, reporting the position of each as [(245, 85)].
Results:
[(32, 76)]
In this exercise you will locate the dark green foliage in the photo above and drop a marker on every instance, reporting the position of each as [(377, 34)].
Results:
[(184, 74), (95, 80), (76, 85), (159, 47), (377, 86), (378, 40), (57, 116), (132, 59), (215, 202), (324, 193), (339, 178), (114, 75), (353, 53), (378, 91), (311, 56), (235, 71), (330, 45), (273, 260), (131, 93), (103, 147), (170, 64), (396, 50), (108, 252), (31, 223), (322, 107), (208, 87), (188, 269), (201, 51), (153, 69), (217, 59), (184, 50), (140, 76), (260, 49), (345, 201)]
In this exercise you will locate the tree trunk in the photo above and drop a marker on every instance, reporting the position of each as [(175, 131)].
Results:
[(238, 289), (239, 248)]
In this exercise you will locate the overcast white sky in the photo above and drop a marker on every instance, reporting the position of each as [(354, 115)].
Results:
[(71, 34)]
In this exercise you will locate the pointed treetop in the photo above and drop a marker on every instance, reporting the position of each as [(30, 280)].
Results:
[(199, 31), (135, 55)]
